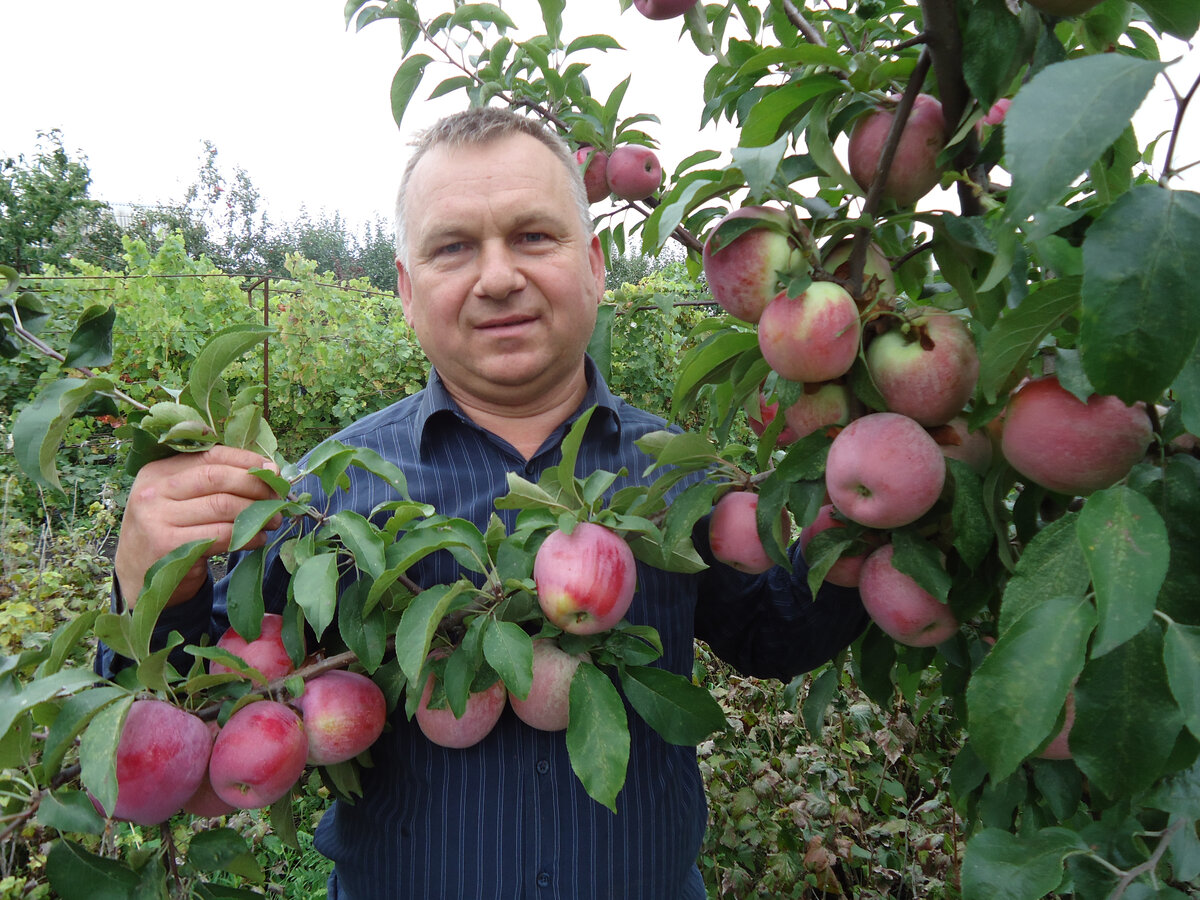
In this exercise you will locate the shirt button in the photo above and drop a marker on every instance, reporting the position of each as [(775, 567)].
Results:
[(543, 880), (543, 767)]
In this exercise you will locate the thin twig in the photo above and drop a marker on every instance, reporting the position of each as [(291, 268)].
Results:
[(1149, 865), (1180, 111), (802, 24)]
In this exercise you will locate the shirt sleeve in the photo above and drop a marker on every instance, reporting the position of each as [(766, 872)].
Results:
[(770, 625)]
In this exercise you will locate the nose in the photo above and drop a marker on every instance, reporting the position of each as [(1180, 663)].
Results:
[(499, 271)]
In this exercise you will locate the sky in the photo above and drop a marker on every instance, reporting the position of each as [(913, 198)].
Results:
[(287, 93)]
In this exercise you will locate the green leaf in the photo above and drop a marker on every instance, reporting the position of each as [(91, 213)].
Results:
[(992, 45), (67, 810), (778, 109), (361, 539), (1137, 330), (314, 589), (362, 625), (681, 712), (509, 650), (91, 343), (1007, 347), (162, 578), (38, 429), (1016, 695), (73, 716), (1178, 17), (1125, 544), (98, 752), (597, 735), (816, 704), (973, 534), (998, 865), (759, 164), (1052, 565), (223, 850), (405, 83), (76, 874), (599, 346), (244, 598), (223, 348), (1181, 654), (1090, 100), (253, 519), (469, 13), (710, 361), (417, 625), (1126, 719)]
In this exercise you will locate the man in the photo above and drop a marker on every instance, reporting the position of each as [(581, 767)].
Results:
[(500, 277)]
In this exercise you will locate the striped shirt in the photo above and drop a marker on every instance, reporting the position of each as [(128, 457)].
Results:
[(507, 818)]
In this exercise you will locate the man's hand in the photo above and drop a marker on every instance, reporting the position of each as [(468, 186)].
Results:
[(187, 497)]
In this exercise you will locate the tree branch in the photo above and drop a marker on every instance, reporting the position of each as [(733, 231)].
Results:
[(1180, 111)]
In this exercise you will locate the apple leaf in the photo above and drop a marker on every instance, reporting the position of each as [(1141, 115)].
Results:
[(1007, 347), (98, 752), (223, 850), (597, 735), (1015, 696), (1139, 318), (314, 589), (68, 810), (77, 874), (973, 534), (418, 623), (1064, 118), (1126, 719), (362, 627), (91, 343), (509, 650), (1178, 17), (681, 712), (1126, 547), (204, 377), (998, 865), (405, 82), (1051, 565), (161, 580), (244, 597), (1181, 653), (39, 427)]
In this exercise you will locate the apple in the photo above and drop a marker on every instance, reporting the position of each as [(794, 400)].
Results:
[(258, 754), (959, 442), (902, 609), (998, 111), (927, 369), (733, 532), (879, 282), (1064, 7), (846, 571), (766, 415), (633, 172), (663, 9), (743, 273), (480, 716), (344, 714), (162, 755), (586, 579), (820, 406), (265, 653), (1059, 746), (914, 171), (547, 705), (1056, 440), (884, 470), (594, 165), (204, 802), (813, 337)]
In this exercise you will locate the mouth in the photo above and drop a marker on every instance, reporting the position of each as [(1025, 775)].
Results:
[(506, 324)]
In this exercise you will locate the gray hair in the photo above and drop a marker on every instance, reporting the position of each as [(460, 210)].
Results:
[(479, 126)]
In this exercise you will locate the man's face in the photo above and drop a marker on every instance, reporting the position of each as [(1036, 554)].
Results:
[(502, 281)]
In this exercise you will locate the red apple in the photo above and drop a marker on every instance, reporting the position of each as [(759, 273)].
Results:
[(258, 755), (1054, 439), (743, 273), (846, 571), (1064, 7), (813, 337), (594, 164), (766, 415), (547, 705), (479, 718), (265, 653), (586, 579), (902, 609), (162, 755), (1059, 746), (914, 171), (996, 114), (633, 172), (820, 406), (884, 471), (663, 9), (204, 802), (958, 442), (733, 532), (927, 369), (879, 282), (344, 714)]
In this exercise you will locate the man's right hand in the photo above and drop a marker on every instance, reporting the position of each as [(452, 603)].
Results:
[(187, 497)]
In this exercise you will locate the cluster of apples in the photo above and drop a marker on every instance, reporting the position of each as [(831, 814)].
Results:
[(631, 172), (169, 759), (886, 467)]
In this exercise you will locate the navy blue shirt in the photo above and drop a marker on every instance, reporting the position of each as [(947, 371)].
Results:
[(507, 818)]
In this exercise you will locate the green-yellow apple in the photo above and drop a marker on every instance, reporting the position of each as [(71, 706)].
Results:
[(1054, 439), (547, 705), (914, 171), (594, 164), (258, 755), (902, 609), (884, 470), (813, 337), (733, 532), (586, 579), (344, 713), (633, 172), (162, 755), (926, 370), (442, 727), (743, 273), (879, 282), (265, 653)]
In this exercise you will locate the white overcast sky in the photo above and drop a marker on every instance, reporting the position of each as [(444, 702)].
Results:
[(285, 92)]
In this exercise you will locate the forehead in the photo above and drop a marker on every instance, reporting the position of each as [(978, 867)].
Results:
[(514, 176)]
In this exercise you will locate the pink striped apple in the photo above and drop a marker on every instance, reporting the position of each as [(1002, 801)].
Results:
[(585, 580)]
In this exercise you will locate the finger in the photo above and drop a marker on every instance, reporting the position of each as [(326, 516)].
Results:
[(212, 479)]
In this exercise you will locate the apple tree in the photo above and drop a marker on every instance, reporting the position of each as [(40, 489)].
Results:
[(954, 296)]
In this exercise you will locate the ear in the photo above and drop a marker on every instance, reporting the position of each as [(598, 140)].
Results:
[(404, 289), (596, 259)]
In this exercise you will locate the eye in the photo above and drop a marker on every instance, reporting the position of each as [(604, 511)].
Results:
[(450, 248), (534, 237)]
